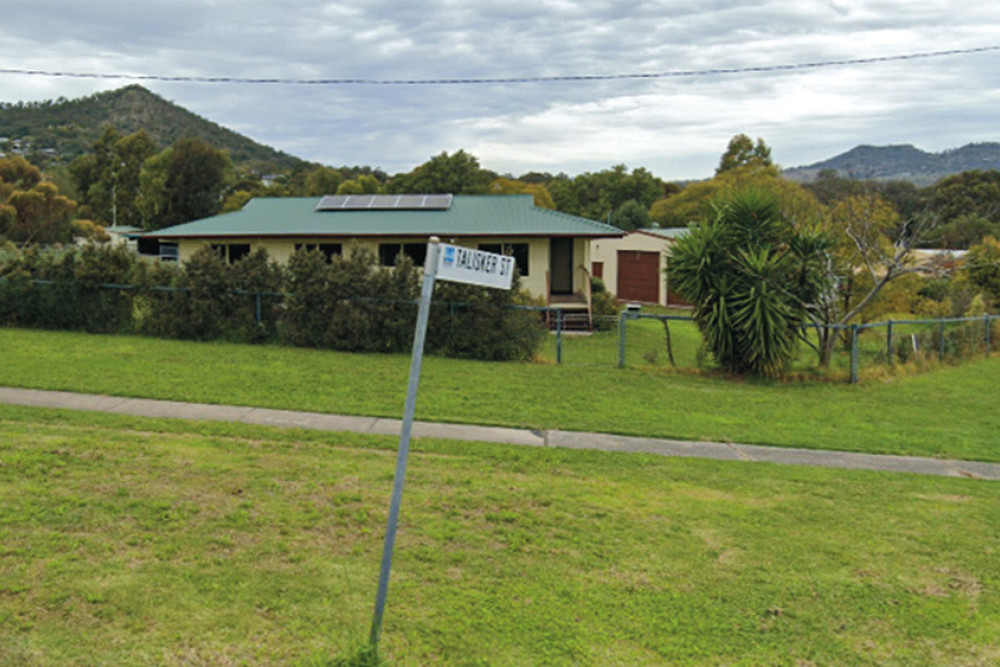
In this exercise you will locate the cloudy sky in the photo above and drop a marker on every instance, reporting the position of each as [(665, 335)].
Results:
[(675, 126)]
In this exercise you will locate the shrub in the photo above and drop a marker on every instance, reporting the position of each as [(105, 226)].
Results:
[(482, 323)]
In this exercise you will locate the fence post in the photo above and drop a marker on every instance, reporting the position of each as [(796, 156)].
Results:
[(559, 323), (854, 354), (941, 342), (258, 307), (621, 339), (888, 343), (988, 327)]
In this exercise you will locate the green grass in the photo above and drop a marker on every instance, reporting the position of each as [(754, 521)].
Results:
[(948, 413), (138, 541)]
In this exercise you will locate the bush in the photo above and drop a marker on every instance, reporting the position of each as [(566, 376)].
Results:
[(482, 323), (350, 304), (74, 295)]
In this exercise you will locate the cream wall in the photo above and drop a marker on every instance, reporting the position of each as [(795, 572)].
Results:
[(606, 251), (538, 253)]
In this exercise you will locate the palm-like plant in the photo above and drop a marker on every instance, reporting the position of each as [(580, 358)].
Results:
[(751, 276)]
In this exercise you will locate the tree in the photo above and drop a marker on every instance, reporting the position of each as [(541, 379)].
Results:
[(983, 266), (182, 183), (750, 274), (742, 151), (873, 247), (597, 195), (365, 184), (108, 178), (459, 173), (630, 216), (695, 202), (322, 181), (38, 215), (539, 193)]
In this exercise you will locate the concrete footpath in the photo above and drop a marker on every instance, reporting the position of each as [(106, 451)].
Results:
[(143, 407)]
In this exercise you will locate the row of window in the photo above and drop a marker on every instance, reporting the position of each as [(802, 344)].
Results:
[(387, 252)]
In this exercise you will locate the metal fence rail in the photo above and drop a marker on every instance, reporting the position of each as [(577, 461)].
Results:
[(636, 339)]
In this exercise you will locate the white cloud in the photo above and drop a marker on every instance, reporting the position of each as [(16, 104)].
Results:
[(677, 127)]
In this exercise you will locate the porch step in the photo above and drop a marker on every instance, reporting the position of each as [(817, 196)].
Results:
[(571, 321)]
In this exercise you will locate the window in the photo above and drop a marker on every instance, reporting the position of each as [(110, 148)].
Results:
[(148, 246), (519, 251), (232, 252), (328, 249), (238, 251), (597, 269), (387, 253), (169, 252)]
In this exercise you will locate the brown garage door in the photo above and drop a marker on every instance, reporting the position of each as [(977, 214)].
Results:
[(639, 276)]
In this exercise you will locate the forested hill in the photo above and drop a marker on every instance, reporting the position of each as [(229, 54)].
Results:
[(904, 162), (64, 129)]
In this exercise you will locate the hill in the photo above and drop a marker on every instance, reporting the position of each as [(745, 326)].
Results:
[(903, 162), (64, 129)]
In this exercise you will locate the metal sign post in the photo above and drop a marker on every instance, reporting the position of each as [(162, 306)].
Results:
[(449, 263)]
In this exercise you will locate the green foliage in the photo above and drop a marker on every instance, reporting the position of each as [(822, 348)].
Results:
[(208, 299), (539, 193), (982, 264), (193, 302), (750, 275), (631, 216), (604, 308), (597, 195), (31, 209), (481, 323), (108, 178), (72, 126), (742, 151), (75, 298), (350, 304), (458, 173), (183, 183)]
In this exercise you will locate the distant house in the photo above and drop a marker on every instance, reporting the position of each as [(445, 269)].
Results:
[(633, 267), (551, 249)]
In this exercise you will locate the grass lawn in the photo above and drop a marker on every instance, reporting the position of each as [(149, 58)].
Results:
[(950, 412), (138, 541)]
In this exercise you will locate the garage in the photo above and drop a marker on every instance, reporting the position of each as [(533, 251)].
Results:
[(639, 276)]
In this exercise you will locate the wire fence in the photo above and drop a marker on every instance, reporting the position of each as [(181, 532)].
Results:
[(663, 340), (631, 339)]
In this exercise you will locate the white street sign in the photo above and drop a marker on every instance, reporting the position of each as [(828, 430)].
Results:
[(476, 267)]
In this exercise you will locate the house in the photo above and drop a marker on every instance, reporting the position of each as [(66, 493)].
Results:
[(633, 267), (551, 249)]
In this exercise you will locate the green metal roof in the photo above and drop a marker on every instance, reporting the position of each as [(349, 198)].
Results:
[(666, 232), (468, 215)]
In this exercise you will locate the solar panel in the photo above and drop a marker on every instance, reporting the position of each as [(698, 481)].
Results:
[(384, 202)]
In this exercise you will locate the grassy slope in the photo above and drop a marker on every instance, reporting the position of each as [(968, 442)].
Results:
[(948, 413), (137, 541)]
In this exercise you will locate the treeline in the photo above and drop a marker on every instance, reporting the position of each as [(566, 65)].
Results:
[(128, 179), (348, 303)]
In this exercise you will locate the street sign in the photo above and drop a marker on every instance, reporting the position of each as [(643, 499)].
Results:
[(475, 267), (448, 262)]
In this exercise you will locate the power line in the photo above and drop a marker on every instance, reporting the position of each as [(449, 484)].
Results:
[(574, 78)]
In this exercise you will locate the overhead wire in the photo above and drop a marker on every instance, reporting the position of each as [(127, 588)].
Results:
[(570, 78)]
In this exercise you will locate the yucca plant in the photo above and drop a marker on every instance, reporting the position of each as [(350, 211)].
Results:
[(751, 276)]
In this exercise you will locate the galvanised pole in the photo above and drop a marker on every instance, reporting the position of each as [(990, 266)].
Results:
[(854, 354), (430, 273), (888, 343), (621, 340), (559, 324)]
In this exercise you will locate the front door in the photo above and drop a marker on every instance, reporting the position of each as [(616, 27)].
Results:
[(561, 265)]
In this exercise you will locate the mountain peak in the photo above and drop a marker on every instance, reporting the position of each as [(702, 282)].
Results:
[(903, 162), (67, 128)]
